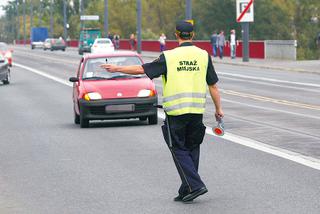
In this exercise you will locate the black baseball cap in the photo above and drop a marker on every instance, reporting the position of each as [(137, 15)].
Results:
[(184, 29)]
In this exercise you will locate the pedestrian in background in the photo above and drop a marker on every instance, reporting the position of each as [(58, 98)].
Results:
[(116, 40), (233, 44), (221, 41), (132, 42), (186, 71), (213, 41), (162, 41), (110, 36)]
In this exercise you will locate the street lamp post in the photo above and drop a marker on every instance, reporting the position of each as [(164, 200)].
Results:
[(81, 12), (40, 13), (106, 24), (139, 17), (18, 23), (51, 18), (31, 17), (188, 9), (65, 32), (24, 22)]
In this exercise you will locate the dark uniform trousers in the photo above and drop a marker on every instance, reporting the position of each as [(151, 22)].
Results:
[(187, 132)]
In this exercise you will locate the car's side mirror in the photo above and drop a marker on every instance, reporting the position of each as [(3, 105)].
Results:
[(74, 79)]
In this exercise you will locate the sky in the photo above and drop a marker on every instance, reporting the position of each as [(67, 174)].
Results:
[(2, 3)]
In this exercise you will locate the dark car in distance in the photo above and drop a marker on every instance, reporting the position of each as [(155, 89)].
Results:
[(101, 95), (4, 70), (54, 44)]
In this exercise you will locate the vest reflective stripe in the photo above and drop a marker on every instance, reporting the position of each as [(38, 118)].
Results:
[(184, 88), (184, 105), (183, 95)]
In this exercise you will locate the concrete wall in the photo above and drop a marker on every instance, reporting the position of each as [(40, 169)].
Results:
[(281, 49)]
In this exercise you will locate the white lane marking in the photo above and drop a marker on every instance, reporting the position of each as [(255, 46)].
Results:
[(283, 153), (269, 79), (41, 73), (295, 157)]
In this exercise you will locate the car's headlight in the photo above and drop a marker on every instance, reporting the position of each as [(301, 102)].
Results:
[(92, 96), (146, 93), (8, 54)]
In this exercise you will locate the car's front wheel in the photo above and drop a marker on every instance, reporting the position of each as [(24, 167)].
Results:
[(153, 119), (8, 79), (84, 123), (142, 118), (76, 118)]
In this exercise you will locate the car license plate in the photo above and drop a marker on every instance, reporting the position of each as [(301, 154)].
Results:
[(120, 108)]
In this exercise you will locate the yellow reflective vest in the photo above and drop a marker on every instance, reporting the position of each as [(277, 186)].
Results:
[(184, 88)]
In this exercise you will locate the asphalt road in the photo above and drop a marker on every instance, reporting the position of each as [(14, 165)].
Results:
[(50, 165)]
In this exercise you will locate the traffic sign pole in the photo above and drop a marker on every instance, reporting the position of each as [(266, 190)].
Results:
[(245, 44), (245, 15)]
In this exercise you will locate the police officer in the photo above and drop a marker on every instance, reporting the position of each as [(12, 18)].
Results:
[(185, 71)]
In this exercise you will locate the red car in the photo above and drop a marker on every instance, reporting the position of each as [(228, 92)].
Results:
[(6, 52), (101, 95)]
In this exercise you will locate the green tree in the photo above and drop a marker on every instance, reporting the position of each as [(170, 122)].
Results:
[(274, 19)]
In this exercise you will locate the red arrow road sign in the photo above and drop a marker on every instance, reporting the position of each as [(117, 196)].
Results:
[(244, 11)]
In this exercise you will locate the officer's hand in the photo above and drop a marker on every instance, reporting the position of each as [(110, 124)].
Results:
[(219, 114), (110, 68)]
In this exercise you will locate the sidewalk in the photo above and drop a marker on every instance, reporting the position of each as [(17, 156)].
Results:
[(307, 66)]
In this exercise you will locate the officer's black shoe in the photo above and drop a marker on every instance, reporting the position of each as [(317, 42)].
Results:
[(179, 198), (194, 194)]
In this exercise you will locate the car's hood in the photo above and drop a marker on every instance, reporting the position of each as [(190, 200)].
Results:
[(118, 88)]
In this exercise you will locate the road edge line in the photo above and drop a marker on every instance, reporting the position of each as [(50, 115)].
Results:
[(62, 81)]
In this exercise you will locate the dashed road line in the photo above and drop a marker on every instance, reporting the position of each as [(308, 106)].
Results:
[(271, 100)]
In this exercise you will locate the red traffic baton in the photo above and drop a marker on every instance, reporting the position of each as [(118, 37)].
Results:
[(219, 129)]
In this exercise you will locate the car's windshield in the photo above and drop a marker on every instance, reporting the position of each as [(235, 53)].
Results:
[(58, 41), (94, 71), (3, 47), (103, 41)]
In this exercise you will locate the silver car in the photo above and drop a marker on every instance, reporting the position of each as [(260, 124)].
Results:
[(4, 70)]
